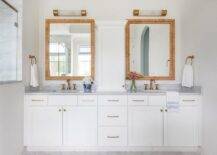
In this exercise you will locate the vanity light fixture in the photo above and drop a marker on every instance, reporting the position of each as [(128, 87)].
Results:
[(69, 12), (137, 12)]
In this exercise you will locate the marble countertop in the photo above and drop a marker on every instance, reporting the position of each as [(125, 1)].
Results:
[(184, 91)]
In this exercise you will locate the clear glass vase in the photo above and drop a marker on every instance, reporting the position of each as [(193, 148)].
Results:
[(133, 86)]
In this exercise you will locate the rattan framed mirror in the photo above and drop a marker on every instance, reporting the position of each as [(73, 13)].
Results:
[(69, 49), (150, 48)]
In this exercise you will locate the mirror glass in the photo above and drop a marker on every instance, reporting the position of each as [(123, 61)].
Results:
[(70, 50), (149, 46), (150, 49)]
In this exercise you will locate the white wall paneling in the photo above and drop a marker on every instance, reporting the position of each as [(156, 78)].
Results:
[(111, 55)]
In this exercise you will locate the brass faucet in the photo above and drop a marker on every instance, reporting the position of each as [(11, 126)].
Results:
[(152, 85), (68, 84)]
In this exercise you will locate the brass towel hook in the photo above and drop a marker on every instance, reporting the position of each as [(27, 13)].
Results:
[(33, 59)]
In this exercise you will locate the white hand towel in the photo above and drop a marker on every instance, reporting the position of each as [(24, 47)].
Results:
[(188, 76), (34, 76), (173, 100)]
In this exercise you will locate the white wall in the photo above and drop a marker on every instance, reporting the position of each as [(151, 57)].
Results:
[(11, 119), (201, 37), (99, 10), (30, 35)]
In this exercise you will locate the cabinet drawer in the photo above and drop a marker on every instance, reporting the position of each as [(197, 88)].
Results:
[(62, 100), (115, 100), (37, 100), (157, 100), (189, 100), (112, 136), (113, 116), (137, 100), (87, 100)]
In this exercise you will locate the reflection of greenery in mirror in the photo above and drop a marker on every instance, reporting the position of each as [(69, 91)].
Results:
[(150, 48), (70, 49)]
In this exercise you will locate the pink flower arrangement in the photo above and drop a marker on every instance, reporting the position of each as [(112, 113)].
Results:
[(134, 76)]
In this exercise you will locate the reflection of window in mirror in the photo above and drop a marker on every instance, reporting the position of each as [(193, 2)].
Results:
[(59, 55), (84, 60), (61, 62)]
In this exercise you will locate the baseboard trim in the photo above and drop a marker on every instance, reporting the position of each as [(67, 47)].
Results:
[(113, 149)]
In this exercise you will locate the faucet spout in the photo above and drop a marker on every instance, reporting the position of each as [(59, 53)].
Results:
[(152, 82), (68, 84)]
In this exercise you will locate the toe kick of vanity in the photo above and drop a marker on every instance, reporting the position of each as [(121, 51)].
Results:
[(117, 121)]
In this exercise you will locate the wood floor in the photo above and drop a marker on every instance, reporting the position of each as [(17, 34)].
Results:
[(111, 153)]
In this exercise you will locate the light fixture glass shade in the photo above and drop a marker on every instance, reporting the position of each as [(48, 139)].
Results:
[(70, 12), (137, 12)]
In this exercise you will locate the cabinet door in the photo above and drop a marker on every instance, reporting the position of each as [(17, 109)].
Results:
[(80, 126), (182, 126), (44, 126), (145, 126)]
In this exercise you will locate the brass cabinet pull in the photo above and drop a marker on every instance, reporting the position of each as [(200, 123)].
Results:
[(88, 100), (60, 110), (113, 137), (138, 100), (113, 100), (161, 110), (64, 110), (189, 100), (166, 110), (33, 100), (113, 116)]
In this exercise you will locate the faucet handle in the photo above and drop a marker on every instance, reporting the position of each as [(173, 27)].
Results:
[(146, 86), (68, 80), (152, 80), (63, 86), (157, 86), (74, 86)]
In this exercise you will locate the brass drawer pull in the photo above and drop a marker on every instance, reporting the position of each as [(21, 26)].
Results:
[(113, 100), (138, 100), (33, 100), (60, 110), (113, 116), (189, 100), (113, 137), (88, 100)]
